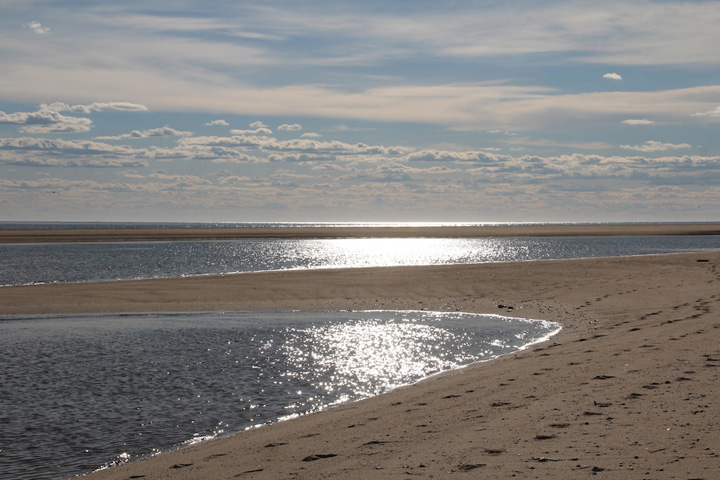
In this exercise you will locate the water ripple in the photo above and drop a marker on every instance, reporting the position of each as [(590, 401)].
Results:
[(80, 392)]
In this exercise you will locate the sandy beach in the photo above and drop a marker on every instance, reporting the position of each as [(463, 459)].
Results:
[(628, 389)]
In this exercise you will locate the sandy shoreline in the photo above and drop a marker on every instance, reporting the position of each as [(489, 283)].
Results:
[(628, 389), (235, 233)]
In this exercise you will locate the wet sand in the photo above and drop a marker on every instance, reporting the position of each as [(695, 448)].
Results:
[(628, 389)]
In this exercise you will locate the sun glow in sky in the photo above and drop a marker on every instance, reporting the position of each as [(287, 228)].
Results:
[(349, 111)]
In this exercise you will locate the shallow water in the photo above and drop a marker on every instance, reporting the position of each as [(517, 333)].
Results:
[(82, 262), (82, 392)]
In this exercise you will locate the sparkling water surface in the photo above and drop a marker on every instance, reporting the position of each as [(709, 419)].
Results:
[(82, 392), (82, 262)]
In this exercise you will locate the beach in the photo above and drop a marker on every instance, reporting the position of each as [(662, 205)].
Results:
[(628, 388)]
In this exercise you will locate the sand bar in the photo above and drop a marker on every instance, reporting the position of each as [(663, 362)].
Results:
[(629, 388), (235, 233)]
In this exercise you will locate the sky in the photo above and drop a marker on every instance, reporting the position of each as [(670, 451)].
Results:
[(395, 110)]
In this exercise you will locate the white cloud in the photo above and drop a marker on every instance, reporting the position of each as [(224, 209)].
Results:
[(215, 154), (49, 119), (270, 144), (655, 146), (453, 156), (165, 131), (110, 107), (88, 162), (59, 146), (220, 122), (523, 142), (300, 157), (661, 34), (310, 135), (632, 121), (38, 28), (711, 113), (613, 76), (258, 124), (257, 131), (180, 180), (95, 107), (46, 121), (345, 128), (290, 128)]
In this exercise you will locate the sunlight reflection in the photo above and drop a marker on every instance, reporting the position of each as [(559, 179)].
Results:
[(404, 251), (371, 356)]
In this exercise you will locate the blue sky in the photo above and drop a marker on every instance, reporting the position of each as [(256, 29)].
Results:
[(359, 111)]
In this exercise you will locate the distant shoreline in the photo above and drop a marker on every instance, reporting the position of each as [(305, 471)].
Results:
[(142, 234)]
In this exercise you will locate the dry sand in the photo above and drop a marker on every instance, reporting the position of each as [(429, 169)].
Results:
[(628, 389)]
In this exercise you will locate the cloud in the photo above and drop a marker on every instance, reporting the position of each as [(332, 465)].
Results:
[(269, 144), (215, 154), (257, 131), (110, 107), (38, 28), (46, 121), (584, 33), (310, 135), (631, 121), (543, 142), (391, 172), (609, 33), (613, 76), (300, 157), (71, 147), (258, 128), (221, 122), (711, 113), (290, 128), (346, 128), (165, 131), (452, 156), (655, 146), (80, 162), (41, 152), (95, 107), (49, 119), (180, 180)]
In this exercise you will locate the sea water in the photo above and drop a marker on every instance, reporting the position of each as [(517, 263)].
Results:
[(84, 392), (83, 262)]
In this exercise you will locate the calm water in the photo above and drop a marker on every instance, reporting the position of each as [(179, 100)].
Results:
[(82, 392), (76, 262)]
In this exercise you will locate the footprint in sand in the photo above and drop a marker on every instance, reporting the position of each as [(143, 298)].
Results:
[(318, 456)]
